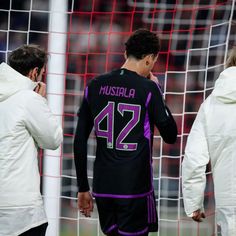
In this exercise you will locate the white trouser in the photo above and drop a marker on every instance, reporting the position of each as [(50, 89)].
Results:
[(226, 220)]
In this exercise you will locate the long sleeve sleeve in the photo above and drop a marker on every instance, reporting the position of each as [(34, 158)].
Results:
[(194, 166), (42, 124), (162, 117), (84, 127)]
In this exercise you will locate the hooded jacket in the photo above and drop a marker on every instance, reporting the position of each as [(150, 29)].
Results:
[(26, 124), (212, 138)]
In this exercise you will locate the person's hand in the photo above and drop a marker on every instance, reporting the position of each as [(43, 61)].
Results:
[(153, 78), (198, 215), (41, 89), (85, 203)]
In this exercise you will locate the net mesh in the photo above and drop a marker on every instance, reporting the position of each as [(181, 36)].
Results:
[(195, 37)]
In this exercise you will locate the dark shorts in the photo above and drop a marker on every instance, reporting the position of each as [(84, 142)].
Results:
[(136, 216), (37, 231)]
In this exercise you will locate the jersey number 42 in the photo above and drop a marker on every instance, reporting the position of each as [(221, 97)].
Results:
[(108, 114)]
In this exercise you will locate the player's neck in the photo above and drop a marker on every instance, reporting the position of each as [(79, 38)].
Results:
[(134, 65)]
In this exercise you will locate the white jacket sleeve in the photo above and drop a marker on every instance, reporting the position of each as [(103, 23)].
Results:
[(41, 123), (194, 165)]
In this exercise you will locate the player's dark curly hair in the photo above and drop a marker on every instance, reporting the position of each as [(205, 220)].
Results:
[(27, 57), (142, 43)]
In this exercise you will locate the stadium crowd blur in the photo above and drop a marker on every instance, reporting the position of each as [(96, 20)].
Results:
[(97, 31)]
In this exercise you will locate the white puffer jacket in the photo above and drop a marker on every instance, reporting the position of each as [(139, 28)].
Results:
[(213, 138), (26, 123)]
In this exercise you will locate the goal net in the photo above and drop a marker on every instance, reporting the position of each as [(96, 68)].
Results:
[(195, 38)]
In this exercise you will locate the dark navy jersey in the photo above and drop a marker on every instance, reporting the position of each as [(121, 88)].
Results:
[(123, 108)]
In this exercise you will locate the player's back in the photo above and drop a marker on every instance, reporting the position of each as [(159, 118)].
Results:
[(119, 103)]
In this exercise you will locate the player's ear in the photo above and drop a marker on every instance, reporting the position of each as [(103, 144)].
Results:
[(148, 59), (33, 74)]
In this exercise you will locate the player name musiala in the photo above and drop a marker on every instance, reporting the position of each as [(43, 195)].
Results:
[(117, 91)]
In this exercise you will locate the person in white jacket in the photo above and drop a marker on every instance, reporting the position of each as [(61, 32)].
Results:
[(213, 139), (26, 124)]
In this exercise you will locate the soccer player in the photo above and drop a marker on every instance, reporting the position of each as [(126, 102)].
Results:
[(213, 139), (26, 123), (123, 106)]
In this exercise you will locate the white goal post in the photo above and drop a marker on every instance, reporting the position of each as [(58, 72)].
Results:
[(55, 90)]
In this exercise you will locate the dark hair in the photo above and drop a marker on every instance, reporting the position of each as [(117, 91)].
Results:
[(142, 43), (27, 57)]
